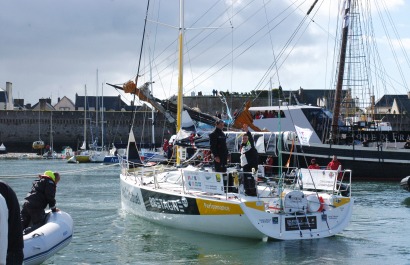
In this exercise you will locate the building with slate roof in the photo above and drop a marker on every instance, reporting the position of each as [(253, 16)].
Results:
[(110, 103), (393, 104)]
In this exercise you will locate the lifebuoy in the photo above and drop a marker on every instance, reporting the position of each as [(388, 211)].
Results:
[(315, 203)]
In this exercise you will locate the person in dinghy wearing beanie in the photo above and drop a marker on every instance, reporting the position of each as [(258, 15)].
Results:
[(42, 193)]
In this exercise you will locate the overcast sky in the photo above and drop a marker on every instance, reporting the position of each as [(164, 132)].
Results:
[(53, 48)]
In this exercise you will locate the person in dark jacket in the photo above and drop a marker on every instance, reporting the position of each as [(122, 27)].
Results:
[(249, 161), (15, 242), (219, 150), (43, 192)]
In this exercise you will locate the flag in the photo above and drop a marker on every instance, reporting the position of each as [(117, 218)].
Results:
[(304, 135)]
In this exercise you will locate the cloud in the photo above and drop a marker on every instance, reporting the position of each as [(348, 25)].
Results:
[(54, 48)]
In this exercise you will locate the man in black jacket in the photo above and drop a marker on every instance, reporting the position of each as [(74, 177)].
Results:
[(217, 140), (43, 192), (15, 242)]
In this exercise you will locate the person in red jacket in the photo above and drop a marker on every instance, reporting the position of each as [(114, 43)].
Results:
[(334, 164), (313, 164), (43, 192)]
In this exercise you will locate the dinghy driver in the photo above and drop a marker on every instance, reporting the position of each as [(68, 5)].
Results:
[(42, 193)]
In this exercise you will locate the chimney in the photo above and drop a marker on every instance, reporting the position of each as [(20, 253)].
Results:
[(408, 94), (9, 92), (43, 103)]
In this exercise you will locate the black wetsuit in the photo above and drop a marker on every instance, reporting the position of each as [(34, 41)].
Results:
[(217, 140), (42, 193)]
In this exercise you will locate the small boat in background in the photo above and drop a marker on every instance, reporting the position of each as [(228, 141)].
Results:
[(38, 144), (405, 183), (67, 152), (118, 150), (44, 242), (80, 157), (3, 149)]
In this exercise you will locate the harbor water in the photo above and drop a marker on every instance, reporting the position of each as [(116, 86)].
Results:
[(106, 234)]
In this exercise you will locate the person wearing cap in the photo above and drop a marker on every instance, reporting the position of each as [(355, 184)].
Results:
[(11, 243), (313, 164), (42, 193), (219, 150)]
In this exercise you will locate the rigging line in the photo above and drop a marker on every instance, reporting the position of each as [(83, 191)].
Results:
[(214, 30), (229, 20), (396, 32), (201, 41), (239, 46), (224, 56), (271, 41), (166, 59), (327, 48), (139, 63), (232, 57), (391, 45), (282, 52), (210, 48)]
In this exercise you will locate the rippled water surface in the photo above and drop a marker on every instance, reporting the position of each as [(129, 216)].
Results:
[(105, 234)]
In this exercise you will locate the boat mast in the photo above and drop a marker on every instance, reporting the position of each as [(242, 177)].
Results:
[(51, 134), (180, 73), (84, 147), (96, 109), (102, 116), (152, 112), (341, 70)]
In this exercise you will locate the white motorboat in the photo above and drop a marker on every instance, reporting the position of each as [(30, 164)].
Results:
[(44, 242)]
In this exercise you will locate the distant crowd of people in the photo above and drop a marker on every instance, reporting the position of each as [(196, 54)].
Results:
[(258, 115), (268, 114)]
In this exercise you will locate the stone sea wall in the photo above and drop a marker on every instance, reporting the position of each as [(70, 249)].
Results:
[(18, 129)]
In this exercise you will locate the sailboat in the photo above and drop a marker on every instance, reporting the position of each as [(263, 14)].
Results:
[(82, 155), (3, 149), (98, 154), (312, 205), (50, 153), (39, 144)]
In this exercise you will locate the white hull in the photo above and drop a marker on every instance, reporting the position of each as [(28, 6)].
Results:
[(234, 214), (44, 242)]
